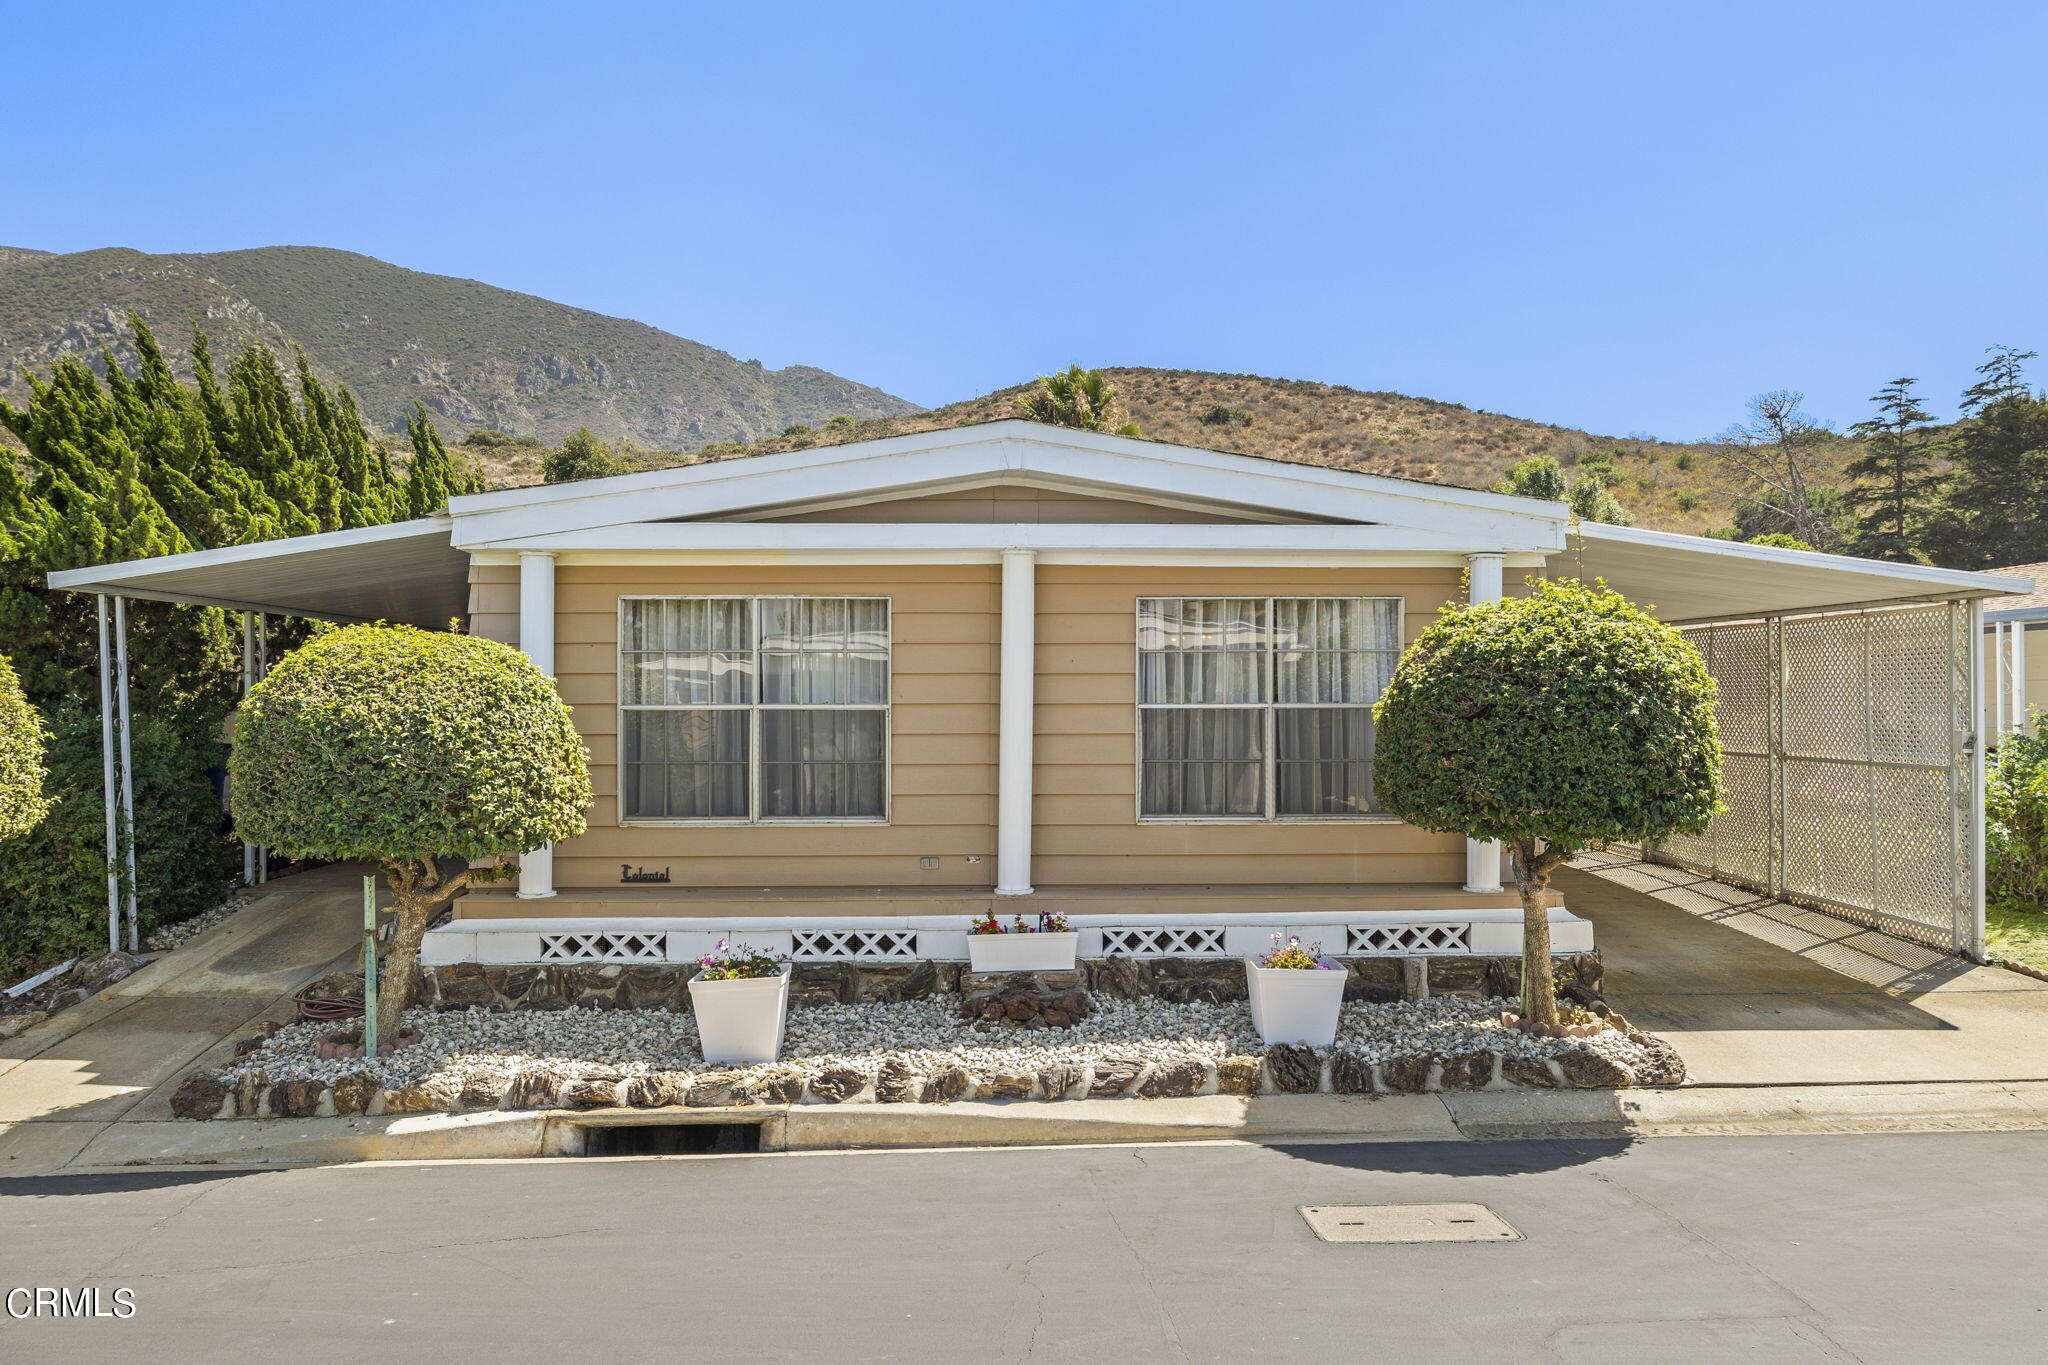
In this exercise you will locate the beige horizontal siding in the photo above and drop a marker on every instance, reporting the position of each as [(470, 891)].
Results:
[(1086, 807), (494, 602), (942, 721), (943, 741), (1365, 867), (1018, 503), (703, 868)]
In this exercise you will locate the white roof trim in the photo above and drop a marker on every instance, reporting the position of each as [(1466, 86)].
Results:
[(908, 463), (1194, 538)]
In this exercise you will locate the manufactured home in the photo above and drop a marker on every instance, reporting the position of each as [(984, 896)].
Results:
[(842, 700)]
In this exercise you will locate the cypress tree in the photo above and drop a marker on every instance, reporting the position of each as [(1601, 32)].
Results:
[(1994, 505), (1892, 481), (135, 464)]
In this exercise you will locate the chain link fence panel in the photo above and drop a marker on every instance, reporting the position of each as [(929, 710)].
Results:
[(1848, 762)]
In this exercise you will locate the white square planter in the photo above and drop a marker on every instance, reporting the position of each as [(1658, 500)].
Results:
[(1290, 1005), (1022, 952), (741, 1021)]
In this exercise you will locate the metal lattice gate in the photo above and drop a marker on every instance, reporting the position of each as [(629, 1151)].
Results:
[(1850, 767)]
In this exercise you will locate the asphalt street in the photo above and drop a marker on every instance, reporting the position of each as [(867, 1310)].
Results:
[(1698, 1250)]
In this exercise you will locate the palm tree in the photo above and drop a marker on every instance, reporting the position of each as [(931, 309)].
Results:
[(1077, 398)]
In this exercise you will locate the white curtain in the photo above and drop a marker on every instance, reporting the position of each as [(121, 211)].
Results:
[(1299, 676), (765, 663)]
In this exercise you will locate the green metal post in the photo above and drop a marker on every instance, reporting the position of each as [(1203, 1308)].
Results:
[(369, 967)]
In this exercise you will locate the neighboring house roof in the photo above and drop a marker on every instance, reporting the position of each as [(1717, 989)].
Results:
[(2029, 606), (1282, 513)]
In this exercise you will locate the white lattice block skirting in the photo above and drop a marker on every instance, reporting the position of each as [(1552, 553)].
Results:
[(1385, 933)]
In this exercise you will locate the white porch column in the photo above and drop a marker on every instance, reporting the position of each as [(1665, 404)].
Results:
[(1014, 723), (1482, 859), (537, 638)]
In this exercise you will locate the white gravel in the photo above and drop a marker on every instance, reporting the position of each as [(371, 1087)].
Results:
[(927, 1034)]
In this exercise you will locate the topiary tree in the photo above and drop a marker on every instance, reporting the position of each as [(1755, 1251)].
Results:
[(1552, 722), (22, 769), (405, 747)]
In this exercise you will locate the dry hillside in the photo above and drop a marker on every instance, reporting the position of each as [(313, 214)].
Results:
[(1667, 485)]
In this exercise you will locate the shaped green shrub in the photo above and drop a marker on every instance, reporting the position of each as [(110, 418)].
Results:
[(405, 747), (1552, 722), (22, 770)]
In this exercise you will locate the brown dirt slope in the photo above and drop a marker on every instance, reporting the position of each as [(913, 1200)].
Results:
[(1668, 485)]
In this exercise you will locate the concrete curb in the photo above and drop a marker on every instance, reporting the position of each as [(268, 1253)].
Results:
[(1269, 1119)]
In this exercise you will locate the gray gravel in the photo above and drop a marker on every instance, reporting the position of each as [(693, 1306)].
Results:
[(927, 1034), (185, 930)]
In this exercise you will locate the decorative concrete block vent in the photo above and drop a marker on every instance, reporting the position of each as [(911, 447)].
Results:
[(1178, 980)]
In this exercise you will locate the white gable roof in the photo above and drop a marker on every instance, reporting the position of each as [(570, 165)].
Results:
[(1028, 451)]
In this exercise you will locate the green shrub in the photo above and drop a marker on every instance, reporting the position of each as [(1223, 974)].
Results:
[(1536, 477), (842, 422), (490, 438), (1223, 415), (582, 456), (22, 770), (404, 747), (1782, 541), (1684, 460), (56, 873), (796, 429), (2016, 819), (1552, 722), (1688, 501)]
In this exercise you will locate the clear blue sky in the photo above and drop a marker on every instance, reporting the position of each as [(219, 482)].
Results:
[(1628, 217)]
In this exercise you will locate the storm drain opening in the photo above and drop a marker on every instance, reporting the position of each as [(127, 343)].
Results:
[(1396, 1224), (668, 1139)]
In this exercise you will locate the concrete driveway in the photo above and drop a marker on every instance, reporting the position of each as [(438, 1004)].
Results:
[(118, 1056), (1755, 992)]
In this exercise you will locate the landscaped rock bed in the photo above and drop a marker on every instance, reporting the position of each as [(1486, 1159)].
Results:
[(914, 1050)]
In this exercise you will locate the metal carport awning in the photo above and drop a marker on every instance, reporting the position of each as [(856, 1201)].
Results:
[(406, 572), (1697, 578), (1851, 707)]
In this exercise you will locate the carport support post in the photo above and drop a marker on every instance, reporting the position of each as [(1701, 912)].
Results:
[(1482, 858), (262, 672), (248, 681), (127, 766), (537, 638), (1972, 939), (107, 777), (1014, 722)]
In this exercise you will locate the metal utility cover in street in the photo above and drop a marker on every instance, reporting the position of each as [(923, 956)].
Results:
[(1402, 1223)]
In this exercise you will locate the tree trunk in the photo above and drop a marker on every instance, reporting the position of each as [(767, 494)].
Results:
[(1539, 979), (420, 892)]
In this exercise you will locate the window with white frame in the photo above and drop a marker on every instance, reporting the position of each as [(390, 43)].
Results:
[(754, 708), (1260, 708)]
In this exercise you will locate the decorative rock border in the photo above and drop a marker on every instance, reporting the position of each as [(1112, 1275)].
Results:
[(1284, 1069), (1181, 980)]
